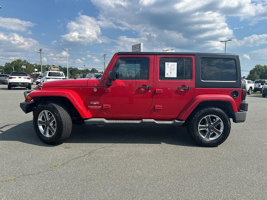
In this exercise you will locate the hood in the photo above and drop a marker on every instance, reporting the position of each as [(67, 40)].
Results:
[(72, 83)]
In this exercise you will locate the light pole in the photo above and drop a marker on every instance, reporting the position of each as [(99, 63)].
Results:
[(225, 41), (66, 49), (104, 61)]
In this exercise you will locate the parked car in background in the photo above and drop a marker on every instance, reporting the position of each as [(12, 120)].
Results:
[(38, 80), (94, 75), (258, 85), (3, 78), (19, 79), (264, 90), (81, 76), (52, 76), (249, 86)]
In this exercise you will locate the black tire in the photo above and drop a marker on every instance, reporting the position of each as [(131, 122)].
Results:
[(263, 95), (9, 87), (209, 127), (54, 121), (250, 91), (29, 87)]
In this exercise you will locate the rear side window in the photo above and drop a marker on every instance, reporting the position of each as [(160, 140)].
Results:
[(218, 69), (129, 68), (55, 74), (175, 68)]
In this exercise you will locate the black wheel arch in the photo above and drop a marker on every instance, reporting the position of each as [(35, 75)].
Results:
[(62, 101), (223, 105)]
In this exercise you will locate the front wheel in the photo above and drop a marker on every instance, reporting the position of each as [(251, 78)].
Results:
[(250, 91), (209, 127), (52, 123)]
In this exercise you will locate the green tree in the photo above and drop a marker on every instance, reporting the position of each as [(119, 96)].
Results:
[(258, 72)]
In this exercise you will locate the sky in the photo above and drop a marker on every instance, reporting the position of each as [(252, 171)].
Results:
[(85, 30)]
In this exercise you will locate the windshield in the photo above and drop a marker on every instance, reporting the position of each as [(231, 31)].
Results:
[(261, 82)]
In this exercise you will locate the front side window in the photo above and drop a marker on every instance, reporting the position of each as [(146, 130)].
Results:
[(218, 69), (130, 68), (175, 68)]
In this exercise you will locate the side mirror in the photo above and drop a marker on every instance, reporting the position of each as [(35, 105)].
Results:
[(112, 75)]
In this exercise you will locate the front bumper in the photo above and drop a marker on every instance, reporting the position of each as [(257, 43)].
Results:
[(241, 115), (27, 106), (257, 89), (264, 92)]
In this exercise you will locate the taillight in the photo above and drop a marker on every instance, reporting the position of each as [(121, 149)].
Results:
[(10, 77), (244, 94), (47, 78)]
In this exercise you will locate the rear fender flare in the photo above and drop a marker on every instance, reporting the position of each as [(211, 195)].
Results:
[(191, 106)]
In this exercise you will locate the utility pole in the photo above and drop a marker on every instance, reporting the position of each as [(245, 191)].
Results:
[(104, 61), (225, 41), (41, 52), (66, 49)]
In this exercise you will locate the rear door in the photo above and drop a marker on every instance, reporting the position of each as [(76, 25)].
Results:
[(174, 85)]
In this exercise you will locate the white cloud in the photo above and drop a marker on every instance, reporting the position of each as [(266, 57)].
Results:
[(246, 56), (78, 61), (84, 30), (95, 59), (186, 25), (15, 42), (260, 54), (15, 24)]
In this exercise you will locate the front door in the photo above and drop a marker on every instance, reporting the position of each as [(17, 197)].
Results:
[(174, 85), (130, 95)]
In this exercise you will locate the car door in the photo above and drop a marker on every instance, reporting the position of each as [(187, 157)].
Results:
[(130, 96), (174, 85)]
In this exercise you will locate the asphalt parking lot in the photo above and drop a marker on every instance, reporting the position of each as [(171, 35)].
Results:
[(130, 162)]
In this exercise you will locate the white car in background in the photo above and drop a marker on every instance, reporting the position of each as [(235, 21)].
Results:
[(19, 79), (52, 76)]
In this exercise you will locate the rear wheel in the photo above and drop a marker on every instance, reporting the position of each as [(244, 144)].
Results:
[(9, 86), (209, 127), (52, 123), (29, 86)]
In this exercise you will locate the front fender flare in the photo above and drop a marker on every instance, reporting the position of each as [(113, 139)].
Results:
[(71, 95)]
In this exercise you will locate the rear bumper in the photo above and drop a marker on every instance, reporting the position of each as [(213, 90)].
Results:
[(27, 106), (241, 115), (19, 84)]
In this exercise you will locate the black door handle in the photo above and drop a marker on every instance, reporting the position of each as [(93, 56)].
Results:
[(184, 88), (144, 87)]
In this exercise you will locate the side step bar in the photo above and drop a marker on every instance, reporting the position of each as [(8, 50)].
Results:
[(142, 121)]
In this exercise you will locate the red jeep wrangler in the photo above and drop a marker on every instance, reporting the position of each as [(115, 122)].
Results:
[(199, 90)]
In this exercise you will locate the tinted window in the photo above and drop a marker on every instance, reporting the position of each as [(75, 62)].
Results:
[(132, 68), (175, 68), (218, 69), (19, 74), (55, 74)]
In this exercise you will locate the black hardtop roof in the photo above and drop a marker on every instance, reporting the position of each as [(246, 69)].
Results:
[(177, 53)]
